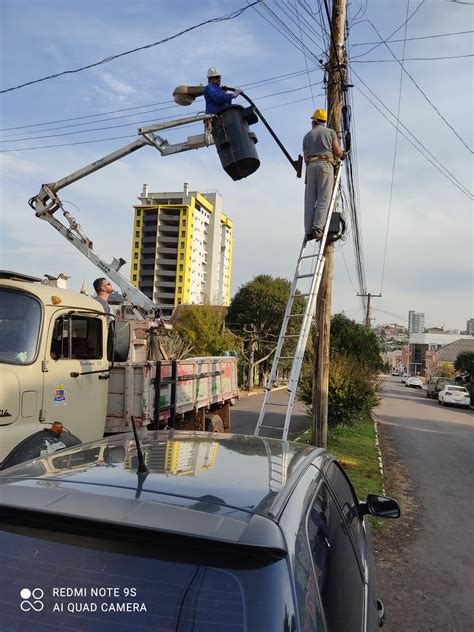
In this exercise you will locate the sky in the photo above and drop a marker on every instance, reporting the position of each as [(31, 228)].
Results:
[(415, 222)]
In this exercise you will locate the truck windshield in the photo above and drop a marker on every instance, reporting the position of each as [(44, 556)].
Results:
[(20, 319)]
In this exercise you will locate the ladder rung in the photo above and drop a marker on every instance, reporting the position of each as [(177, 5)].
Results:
[(276, 404), (295, 315), (285, 357), (304, 276), (271, 427), (310, 256), (291, 336), (295, 295)]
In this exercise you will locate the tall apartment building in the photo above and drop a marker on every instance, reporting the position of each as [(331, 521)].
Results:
[(416, 322), (182, 248), (470, 327)]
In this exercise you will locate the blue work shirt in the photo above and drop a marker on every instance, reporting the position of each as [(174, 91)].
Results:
[(216, 98)]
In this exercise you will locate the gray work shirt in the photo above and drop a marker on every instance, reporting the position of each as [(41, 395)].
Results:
[(104, 303), (318, 141)]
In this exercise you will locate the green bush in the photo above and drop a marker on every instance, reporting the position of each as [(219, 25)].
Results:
[(352, 391)]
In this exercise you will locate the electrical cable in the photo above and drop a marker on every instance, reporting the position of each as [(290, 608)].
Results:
[(224, 18), (305, 60), (412, 39), (428, 155), (443, 118), (387, 229), (391, 61)]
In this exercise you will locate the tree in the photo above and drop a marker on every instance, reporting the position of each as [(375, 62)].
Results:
[(256, 313), (355, 359), (202, 326), (464, 364), (447, 370), (352, 339)]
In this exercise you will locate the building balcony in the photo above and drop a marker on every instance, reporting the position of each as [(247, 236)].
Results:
[(166, 250)]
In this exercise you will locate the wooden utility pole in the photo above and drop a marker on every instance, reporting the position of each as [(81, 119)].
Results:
[(367, 314), (336, 82)]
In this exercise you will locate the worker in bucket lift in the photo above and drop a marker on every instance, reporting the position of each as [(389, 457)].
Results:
[(320, 148), (217, 99)]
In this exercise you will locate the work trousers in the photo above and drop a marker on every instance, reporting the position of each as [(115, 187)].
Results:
[(317, 195)]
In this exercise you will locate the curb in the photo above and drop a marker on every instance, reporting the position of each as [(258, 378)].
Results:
[(379, 451), (261, 391)]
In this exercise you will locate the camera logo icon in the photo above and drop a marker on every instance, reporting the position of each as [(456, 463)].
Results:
[(31, 599)]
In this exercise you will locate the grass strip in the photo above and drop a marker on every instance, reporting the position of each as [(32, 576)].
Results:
[(354, 447)]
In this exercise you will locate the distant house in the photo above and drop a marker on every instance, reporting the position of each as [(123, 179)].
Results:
[(434, 360)]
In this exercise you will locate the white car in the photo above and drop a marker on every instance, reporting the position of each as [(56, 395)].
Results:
[(404, 378), (414, 382), (454, 395)]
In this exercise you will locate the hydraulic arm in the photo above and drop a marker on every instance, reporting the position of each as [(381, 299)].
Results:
[(47, 202)]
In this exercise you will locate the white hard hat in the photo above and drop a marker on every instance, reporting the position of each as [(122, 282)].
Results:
[(213, 72)]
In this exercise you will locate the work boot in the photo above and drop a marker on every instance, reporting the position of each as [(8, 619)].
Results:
[(317, 233), (309, 236)]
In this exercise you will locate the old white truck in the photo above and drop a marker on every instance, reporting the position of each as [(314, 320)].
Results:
[(69, 374)]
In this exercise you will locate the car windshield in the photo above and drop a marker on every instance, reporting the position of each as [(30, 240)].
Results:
[(456, 388), (75, 582), (20, 319)]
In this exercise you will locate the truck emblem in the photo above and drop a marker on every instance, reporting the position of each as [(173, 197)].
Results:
[(4, 412)]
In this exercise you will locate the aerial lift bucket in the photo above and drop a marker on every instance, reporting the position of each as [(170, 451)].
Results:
[(235, 143)]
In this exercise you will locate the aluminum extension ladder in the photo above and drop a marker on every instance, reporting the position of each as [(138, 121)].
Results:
[(309, 270)]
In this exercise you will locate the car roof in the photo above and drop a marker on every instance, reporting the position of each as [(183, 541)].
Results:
[(205, 485)]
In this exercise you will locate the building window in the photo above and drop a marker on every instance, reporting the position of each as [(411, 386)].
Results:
[(134, 277), (184, 222), (135, 266), (183, 234), (181, 256), (182, 244), (137, 234), (180, 290), (135, 256), (139, 213), (136, 244), (181, 267), (180, 279)]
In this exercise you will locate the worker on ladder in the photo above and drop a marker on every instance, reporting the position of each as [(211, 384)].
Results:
[(320, 149)]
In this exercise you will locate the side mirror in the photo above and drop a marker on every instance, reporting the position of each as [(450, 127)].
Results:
[(380, 506), (118, 341)]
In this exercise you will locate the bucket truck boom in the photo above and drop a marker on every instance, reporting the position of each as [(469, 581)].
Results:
[(47, 202)]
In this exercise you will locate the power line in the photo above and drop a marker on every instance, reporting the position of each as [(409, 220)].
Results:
[(224, 18), (305, 60), (412, 39), (391, 34), (141, 122), (394, 157), (391, 61), (428, 155), (443, 118), (260, 82)]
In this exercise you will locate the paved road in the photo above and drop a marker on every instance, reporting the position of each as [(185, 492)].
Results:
[(427, 579), (245, 415)]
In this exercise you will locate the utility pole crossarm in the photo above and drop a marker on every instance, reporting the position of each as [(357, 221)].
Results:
[(367, 314)]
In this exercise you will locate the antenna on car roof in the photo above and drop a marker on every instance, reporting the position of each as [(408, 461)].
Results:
[(142, 471)]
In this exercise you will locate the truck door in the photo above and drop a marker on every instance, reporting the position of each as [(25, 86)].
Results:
[(76, 374)]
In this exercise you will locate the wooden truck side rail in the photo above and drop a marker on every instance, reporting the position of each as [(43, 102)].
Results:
[(172, 393)]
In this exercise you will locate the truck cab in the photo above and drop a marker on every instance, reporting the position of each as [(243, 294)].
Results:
[(53, 363)]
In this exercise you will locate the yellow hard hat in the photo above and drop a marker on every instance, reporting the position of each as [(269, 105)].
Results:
[(320, 115)]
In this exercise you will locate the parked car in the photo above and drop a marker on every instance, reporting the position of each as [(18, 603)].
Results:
[(395, 372), (205, 532), (414, 382), (404, 378), (435, 384), (454, 395)]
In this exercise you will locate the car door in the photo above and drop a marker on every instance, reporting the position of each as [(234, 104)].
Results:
[(337, 566), (75, 377)]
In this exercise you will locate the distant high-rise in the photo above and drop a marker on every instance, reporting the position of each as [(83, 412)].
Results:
[(470, 327), (416, 322), (182, 248)]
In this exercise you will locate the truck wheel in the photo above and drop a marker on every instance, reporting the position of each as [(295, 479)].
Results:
[(41, 443), (214, 423)]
